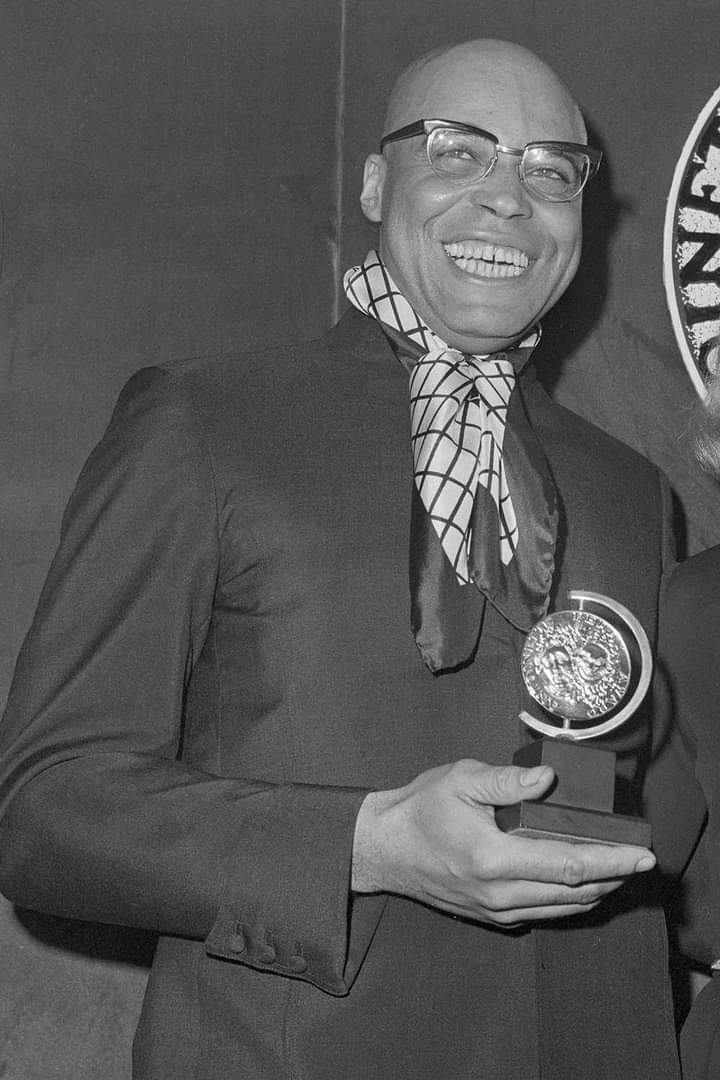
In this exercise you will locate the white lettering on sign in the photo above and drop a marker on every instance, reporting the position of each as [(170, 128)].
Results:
[(691, 247)]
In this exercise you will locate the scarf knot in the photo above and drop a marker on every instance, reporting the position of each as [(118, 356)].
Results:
[(458, 412)]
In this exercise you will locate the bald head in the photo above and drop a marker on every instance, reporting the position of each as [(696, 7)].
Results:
[(480, 259), (449, 80)]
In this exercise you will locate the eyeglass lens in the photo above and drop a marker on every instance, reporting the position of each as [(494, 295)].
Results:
[(551, 173)]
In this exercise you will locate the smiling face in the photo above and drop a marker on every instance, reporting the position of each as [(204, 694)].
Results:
[(479, 263)]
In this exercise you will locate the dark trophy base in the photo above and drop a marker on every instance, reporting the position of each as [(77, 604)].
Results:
[(579, 808)]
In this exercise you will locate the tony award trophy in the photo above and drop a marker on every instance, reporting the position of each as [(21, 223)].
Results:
[(589, 669)]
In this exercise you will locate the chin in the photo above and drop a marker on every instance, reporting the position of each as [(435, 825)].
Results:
[(489, 314), (499, 333)]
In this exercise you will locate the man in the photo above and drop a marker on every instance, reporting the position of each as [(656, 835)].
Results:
[(227, 726)]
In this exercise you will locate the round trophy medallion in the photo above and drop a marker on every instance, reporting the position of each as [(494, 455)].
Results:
[(588, 667), (576, 665)]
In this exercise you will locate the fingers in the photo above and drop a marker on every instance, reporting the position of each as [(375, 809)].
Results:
[(554, 861), (501, 785), (512, 895), (512, 919), (510, 904)]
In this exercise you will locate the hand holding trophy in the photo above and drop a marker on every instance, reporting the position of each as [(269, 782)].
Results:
[(589, 669)]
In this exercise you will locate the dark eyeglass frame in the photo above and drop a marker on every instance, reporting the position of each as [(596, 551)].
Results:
[(427, 127)]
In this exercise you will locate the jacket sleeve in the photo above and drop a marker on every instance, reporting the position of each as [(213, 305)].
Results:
[(99, 818)]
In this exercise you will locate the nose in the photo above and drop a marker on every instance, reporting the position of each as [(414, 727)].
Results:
[(502, 191)]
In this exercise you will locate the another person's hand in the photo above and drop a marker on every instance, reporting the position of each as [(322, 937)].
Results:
[(436, 840)]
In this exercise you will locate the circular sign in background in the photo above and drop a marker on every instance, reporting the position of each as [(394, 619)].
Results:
[(691, 243)]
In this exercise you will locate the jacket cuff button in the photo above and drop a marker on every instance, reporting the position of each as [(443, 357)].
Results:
[(265, 954), (236, 943)]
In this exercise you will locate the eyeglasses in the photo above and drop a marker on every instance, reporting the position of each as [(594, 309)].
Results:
[(464, 154)]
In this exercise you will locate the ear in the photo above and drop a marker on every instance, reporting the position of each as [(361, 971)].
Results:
[(372, 189)]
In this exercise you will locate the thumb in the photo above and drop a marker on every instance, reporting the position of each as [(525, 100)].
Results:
[(504, 785)]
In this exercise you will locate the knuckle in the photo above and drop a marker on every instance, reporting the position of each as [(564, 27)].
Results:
[(486, 897), (467, 776), (573, 872), (497, 901), (499, 779), (505, 774), (464, 767), (586, 896), (493, 905)]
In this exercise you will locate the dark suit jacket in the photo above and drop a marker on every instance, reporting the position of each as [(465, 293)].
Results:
[(221, 666), (688, 655)]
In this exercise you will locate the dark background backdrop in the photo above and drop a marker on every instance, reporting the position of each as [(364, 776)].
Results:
[(181, 177)]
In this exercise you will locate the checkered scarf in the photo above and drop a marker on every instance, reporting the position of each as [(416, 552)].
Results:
[(458, 409)]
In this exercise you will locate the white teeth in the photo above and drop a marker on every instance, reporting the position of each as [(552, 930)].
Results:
[(488, 269), (486, 260)]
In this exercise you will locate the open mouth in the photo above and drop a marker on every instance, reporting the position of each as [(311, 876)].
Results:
[(486, 260)]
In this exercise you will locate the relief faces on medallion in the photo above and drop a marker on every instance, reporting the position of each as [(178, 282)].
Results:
[(576, 665)]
